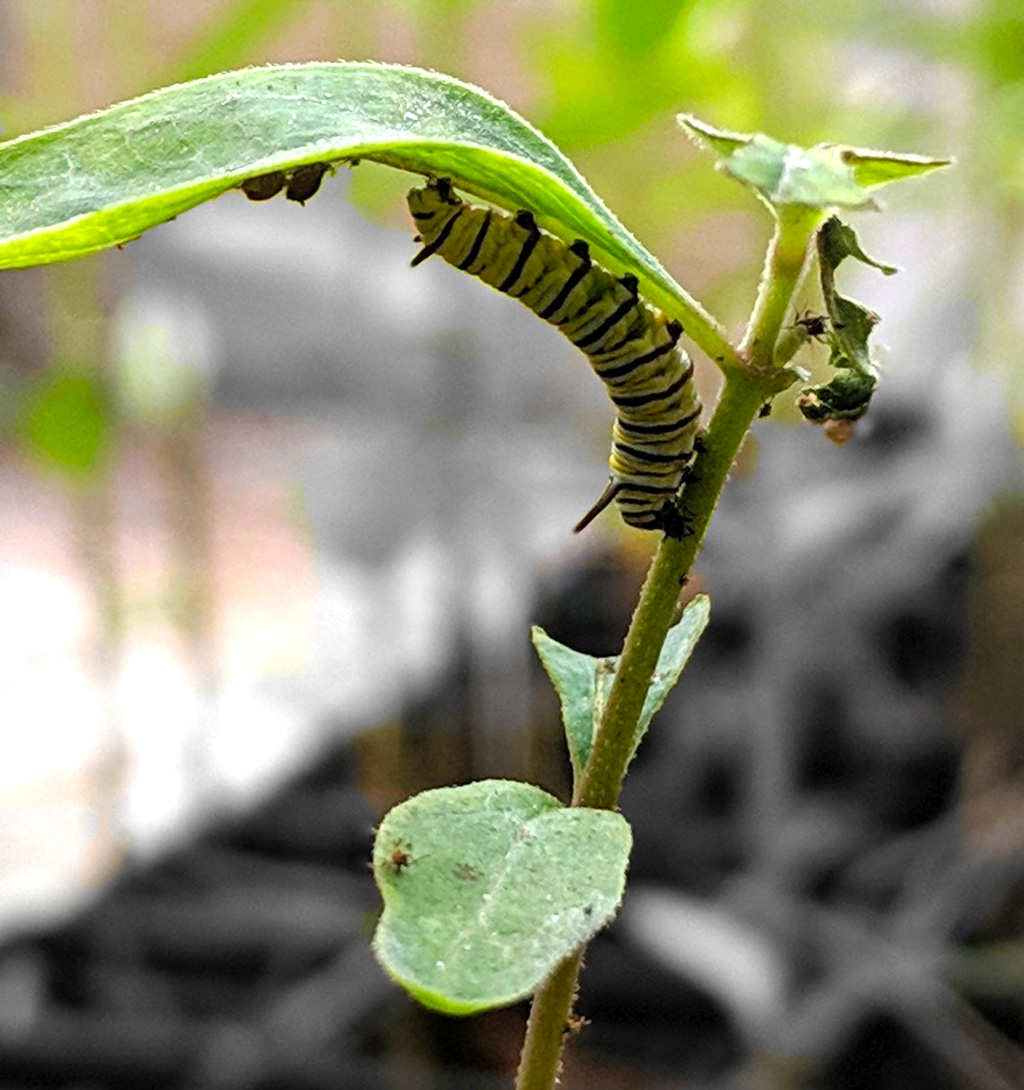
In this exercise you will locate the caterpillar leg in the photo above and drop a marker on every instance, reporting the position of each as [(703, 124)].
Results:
[(672, 521), (610, 492)]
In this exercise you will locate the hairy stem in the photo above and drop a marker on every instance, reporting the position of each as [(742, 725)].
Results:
[(783, 270), (746, 389), (541, 1058), (601, 782)]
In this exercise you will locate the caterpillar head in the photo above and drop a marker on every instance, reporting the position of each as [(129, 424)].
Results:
[(432, 203)]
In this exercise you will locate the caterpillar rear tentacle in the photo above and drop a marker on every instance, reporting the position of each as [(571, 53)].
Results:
[(630, 344), (611, 490)]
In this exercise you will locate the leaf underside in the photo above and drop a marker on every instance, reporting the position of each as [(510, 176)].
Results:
[(103, 179)]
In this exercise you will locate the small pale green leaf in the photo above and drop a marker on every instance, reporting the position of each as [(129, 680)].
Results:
[(824, 176), (873, 168), (583, 682), (103, 179), (675, 654), (707, 136), (785, 174), (487, 887)]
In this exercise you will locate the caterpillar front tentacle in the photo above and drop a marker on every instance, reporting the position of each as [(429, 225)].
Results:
[(632, 347)]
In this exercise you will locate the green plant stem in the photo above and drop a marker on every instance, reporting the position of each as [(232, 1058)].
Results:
[(601, 782), (783, 270), (541, 1058), (746, 390)]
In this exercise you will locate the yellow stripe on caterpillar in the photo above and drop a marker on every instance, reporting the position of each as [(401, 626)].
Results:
[(632, 347)]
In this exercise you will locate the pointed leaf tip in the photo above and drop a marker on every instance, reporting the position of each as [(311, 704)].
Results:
[(875, 168), (707, 136)]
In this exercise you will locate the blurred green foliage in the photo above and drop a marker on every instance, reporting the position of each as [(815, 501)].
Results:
[(66, 422), (604, 79)]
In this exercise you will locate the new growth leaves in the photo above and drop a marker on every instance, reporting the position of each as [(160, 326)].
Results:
[(824, 176), (820, 179)]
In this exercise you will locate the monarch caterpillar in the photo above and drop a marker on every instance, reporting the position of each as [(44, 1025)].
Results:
[(631, 346)]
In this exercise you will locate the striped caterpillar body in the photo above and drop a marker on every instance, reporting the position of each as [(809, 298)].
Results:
[(632, 346)]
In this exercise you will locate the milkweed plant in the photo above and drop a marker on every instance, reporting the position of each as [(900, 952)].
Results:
[(492, 890)]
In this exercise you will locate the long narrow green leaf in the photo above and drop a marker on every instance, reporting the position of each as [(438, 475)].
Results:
[(103, 179)]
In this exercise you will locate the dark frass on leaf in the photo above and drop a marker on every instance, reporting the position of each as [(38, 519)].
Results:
[(298, 185)]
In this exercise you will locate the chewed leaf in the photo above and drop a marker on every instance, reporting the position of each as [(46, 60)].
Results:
[(839, 403), (487, 887), (823, 176), (845, 398), (838, 240), (103, 179), (583, 682), (852, 323)]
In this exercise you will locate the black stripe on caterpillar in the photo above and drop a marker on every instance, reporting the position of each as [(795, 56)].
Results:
[(630, 344)]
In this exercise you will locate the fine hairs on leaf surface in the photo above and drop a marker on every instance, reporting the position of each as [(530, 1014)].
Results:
[(487, 887), (491, 890), (103, 179)]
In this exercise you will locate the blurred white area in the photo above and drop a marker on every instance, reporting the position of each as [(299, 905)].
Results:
[(381, 459), (705, 944)]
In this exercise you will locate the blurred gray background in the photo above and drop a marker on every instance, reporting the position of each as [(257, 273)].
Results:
[(278, 512)]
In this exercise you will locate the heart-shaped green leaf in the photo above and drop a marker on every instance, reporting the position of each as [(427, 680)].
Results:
[(103, 179), (487, 887), (583, 682)]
